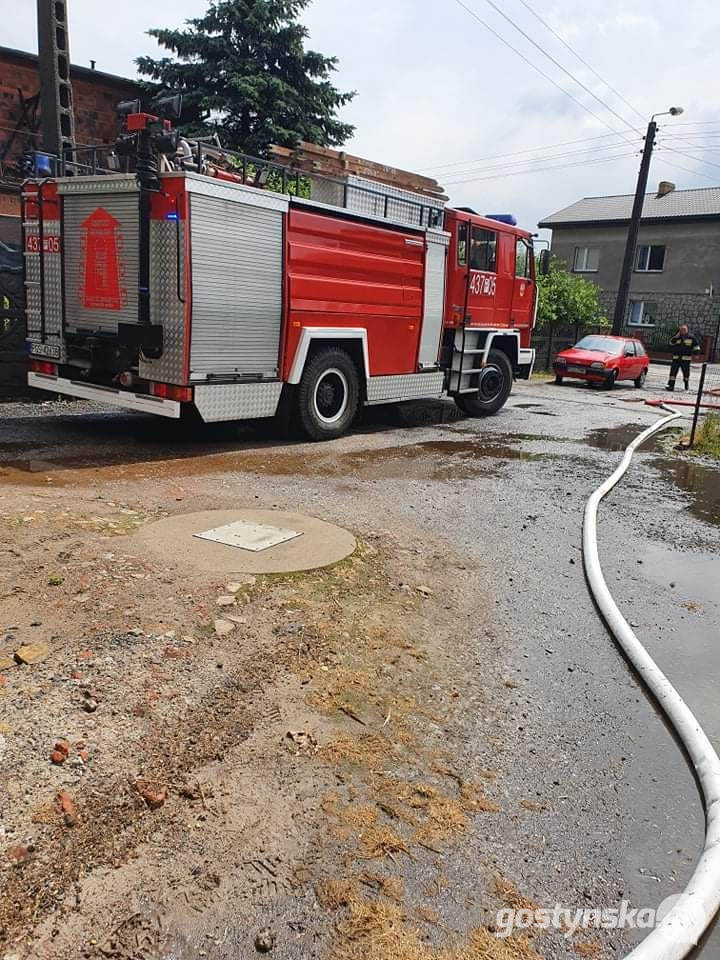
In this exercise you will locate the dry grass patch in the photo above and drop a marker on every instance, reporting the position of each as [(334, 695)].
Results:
[(377, 930), (508, 893), (370, 751), (590, 948)]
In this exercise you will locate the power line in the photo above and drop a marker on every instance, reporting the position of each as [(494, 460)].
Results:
[(677, 166), (583, 62), (533, 161), (559, 65), (688, 156), (542, 73), (497, 156), (562, 166)]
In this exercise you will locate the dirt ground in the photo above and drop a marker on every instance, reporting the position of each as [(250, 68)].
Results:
[(309, 783)]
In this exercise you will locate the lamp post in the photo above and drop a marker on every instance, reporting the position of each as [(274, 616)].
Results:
[(628, 260)]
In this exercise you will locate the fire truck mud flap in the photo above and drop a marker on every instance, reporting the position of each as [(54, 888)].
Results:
[(111, 395), (526, 363)]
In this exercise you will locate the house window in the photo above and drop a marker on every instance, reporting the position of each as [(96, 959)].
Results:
[(483, 250), (586, 260), (643, 313), (650, 259)]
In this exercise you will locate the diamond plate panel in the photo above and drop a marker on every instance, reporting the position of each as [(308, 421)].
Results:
[(235, 193), (411, 386), (53, 290), (165, 306), (237, 401)]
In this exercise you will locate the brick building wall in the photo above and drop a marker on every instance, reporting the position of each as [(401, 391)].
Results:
[(95, 96)]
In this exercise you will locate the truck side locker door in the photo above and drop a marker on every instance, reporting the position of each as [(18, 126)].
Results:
[(523, 285)]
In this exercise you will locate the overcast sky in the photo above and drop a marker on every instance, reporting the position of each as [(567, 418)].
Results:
[(434, 86)]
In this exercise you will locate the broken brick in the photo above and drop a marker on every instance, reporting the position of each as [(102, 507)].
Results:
[(66, 806), (154, 794), (18, 853), (60, 753)]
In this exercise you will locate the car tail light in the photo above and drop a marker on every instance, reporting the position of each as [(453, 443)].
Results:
[(42, 366), (169, 391)]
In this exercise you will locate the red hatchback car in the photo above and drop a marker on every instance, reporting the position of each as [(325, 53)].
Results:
[(603, 359)]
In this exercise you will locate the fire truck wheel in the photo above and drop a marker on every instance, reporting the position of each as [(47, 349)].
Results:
[(495, 386), (329, 395)]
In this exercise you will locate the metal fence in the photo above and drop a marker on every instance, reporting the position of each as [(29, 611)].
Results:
[(657, 340), (706, 415)]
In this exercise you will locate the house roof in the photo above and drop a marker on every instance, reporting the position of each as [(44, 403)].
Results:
[(676, 204), (9, 53)]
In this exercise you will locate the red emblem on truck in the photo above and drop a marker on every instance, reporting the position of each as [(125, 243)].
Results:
[(103, 272)]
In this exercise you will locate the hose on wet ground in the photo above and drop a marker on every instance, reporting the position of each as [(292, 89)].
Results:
[(675, 936)]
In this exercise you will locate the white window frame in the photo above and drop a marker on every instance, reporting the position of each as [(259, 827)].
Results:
[(640, 321), (582, 258), (648, 247)]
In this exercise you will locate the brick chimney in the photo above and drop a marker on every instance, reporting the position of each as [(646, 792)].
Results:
[(664, 188)]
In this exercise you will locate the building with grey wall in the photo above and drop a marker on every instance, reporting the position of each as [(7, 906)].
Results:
[(676, 269)]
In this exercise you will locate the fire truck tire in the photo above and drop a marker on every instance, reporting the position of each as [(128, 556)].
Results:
[(329, 395), (494, 391)]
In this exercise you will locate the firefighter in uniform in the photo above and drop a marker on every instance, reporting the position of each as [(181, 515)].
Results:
[(684, 347)]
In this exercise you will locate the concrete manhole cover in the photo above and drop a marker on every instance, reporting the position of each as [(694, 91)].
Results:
[(247, 541), (249, 536)]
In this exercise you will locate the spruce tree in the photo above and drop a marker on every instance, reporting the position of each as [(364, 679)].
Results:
[(244, 71)]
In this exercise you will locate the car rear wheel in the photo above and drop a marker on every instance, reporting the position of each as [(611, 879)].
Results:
[(640, 382), (495, 384), (329, 395)]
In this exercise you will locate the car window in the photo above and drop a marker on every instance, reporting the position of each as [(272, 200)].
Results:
[(630, 349), (601, 344), (640, 349)]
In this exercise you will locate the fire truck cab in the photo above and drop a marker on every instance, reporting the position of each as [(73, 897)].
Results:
[(181, 285)]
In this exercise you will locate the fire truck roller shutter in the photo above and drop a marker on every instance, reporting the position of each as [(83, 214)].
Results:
[(237, 284), (102, 258), (434, 312)]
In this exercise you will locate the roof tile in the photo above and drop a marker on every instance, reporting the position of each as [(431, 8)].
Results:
[(704, 202)]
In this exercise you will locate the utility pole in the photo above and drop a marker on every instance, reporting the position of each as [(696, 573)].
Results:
[(56, 100), (629, 258), (640, 191)]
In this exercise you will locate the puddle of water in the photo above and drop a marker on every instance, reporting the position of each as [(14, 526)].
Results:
[(699, 480), (696, 576), (618, 438), (431, 459), (690, 657)]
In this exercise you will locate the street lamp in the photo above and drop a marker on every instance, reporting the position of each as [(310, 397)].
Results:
[(627, 267)]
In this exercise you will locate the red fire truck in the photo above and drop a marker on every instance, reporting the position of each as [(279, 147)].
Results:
[(196, 282)]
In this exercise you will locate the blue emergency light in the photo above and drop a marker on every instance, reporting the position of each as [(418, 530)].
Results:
[(502, 217)]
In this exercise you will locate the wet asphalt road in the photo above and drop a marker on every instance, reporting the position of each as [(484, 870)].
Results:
[(621, 816)]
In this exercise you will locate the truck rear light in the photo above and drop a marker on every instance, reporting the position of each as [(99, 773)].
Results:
[(42, 366), (169, 391)]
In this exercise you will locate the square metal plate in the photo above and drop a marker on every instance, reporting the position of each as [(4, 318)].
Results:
[(249, 536)]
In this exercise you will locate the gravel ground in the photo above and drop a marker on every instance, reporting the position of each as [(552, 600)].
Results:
[(596, 803)]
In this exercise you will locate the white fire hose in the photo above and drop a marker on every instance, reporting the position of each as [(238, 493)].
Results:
[(693, 912)]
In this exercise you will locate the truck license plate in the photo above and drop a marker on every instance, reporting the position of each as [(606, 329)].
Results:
[(51, 350)]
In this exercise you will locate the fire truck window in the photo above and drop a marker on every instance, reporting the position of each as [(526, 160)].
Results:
[(523, 260), (462, 244), (483, 250)]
